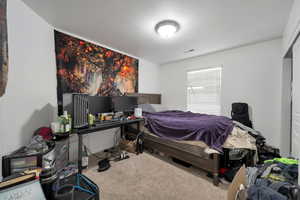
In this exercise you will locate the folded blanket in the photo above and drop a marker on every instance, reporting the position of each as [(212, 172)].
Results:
[(178, 125)]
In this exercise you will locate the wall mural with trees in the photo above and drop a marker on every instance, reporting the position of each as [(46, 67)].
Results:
[(84, 67)]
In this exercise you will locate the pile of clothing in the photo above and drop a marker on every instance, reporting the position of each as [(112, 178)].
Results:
[(276, 179), (256, 151), (264, 151)]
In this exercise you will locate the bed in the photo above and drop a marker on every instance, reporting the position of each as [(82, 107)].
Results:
[(197, 153)]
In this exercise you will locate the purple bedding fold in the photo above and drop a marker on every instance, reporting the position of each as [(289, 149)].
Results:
[(178, 125)]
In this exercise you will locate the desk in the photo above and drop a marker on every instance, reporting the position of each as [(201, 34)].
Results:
[(100, 127)]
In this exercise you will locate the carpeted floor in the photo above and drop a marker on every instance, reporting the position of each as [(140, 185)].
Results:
[(148, 177)]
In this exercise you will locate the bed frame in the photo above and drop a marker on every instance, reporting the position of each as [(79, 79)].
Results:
[(191, 154)]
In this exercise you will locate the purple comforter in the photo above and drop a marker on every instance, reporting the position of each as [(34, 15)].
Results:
[(178, 125)]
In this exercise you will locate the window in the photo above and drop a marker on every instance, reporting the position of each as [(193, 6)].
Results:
[(204, 91)]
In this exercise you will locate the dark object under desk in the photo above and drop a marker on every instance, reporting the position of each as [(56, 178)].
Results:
[(100, 127)]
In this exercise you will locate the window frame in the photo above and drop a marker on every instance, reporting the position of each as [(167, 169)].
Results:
[(201, 69)]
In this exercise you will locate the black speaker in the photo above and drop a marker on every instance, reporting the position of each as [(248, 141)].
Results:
[(78, 106)]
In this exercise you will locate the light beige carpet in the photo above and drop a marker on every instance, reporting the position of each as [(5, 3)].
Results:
[(148, 177)]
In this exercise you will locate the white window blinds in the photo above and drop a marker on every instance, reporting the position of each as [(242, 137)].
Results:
[(204, 91)]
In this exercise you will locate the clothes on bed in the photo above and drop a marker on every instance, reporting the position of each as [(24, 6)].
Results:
[(178, 125), (240, 139)]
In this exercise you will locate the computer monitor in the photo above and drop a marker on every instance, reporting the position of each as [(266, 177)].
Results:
[(100, 104), (124, 103)]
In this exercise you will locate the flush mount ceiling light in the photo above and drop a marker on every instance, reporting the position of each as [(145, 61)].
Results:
[(167, 28)]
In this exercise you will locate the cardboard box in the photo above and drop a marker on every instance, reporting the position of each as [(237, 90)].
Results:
[(239, 179)]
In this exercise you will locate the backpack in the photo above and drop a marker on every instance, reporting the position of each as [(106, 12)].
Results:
[(240, 113)]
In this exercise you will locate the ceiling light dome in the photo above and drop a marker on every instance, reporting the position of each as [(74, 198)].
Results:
[(167, 28)]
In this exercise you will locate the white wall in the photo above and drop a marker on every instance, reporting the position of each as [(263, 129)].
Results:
[(293, 27), (31, 91), (148, 77), (250, 74)]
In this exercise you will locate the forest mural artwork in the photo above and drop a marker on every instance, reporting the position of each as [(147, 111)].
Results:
[(83, 67), (3, 48)]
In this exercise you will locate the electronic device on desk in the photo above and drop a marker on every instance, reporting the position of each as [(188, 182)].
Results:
[(21, 160), (101, 108), (99, 104), (78, 106), (125, 104)]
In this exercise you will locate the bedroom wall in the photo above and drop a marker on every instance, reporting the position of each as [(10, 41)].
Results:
[(30, 99), (250, 74), (31, 91)]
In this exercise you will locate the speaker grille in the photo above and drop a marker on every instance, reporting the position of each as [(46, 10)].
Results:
[(80, 110)]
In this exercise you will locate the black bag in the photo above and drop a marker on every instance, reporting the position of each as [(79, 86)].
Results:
[(140, 143), (266, 152), (240, 113)]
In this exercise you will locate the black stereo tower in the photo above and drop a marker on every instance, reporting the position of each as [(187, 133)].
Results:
[(78, 106)]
